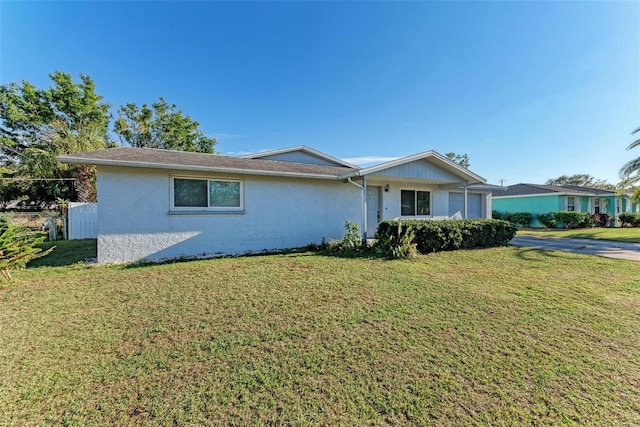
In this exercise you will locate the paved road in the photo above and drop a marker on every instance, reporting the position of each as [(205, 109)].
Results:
[(605, 248)]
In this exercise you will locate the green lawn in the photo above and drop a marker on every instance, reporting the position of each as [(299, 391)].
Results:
[(506, 336), (626, 234)]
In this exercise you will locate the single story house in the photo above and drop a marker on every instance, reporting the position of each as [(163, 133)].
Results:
[(537, 199), (160, 204)]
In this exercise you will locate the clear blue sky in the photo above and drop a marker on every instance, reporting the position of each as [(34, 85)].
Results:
[(529, 90)]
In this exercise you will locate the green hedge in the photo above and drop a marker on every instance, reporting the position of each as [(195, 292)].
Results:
[(447, 235), (628, 218)]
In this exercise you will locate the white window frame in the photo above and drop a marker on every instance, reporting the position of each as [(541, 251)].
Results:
[(566, 203), (597, 205), (415, 192), (208, 209)]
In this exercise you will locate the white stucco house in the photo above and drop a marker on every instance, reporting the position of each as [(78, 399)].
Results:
[(159, 204)]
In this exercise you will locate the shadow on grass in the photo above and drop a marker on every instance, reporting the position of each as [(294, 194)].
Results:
[(535, 254), (303, 251), (66, 252)]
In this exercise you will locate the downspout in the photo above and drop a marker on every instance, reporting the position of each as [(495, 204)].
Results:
[(362, 203)]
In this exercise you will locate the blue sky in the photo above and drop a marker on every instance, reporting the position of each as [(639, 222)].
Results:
[(529, 90)]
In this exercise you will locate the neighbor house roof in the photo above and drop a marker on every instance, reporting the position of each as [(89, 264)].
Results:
[(541, 190), (180, 160)]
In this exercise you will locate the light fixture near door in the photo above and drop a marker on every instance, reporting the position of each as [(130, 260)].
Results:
[(386, 188)]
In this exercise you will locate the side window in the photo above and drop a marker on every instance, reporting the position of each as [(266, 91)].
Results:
[(208, 194)]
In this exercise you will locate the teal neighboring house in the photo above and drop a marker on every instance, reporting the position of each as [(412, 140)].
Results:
[(537, 199)]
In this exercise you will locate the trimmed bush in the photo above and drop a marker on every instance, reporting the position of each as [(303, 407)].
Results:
[(447, 235), (629, 218), (547, 219), (573, 219), (518, 218)]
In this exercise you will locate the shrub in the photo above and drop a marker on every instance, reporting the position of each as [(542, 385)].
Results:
[(573, 219), (518, 218), (496, 215), (547, 219), (446, 235), (18, 246), (397, 244), (602, 220), (632, 219), (350, 244)]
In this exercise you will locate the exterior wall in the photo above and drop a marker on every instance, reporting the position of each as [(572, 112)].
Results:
[(134, 220), (390, 203), (534, 205)]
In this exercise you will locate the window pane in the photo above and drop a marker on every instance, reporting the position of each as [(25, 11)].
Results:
[(190, 193), (224, 194), (407, 202), (424, 204)]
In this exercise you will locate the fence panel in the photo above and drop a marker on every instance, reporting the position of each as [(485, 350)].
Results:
[(83, 220)]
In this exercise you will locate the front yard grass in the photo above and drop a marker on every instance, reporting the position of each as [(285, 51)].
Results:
[(505, 336), (626, 234)]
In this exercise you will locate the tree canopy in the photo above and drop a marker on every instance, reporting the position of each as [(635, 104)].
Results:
[(36, 125), (160, 126), (461, 159), (584, 180)]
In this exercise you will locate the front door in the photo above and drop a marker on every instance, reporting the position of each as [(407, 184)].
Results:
[(373, 210)]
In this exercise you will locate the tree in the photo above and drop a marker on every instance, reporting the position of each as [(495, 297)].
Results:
[(160, 126), (39, 124), (630, 171), (583, 180), (461, 159)]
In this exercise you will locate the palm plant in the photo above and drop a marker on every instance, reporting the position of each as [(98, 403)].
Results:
[(630, 171)]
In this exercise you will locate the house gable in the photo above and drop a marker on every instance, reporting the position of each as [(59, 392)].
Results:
[(300, 154), (428, 166), (422, 169)]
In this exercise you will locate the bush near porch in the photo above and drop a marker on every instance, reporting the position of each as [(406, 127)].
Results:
[(447, 235)]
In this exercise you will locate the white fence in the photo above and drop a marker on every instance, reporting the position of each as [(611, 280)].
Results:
[(83, 220)]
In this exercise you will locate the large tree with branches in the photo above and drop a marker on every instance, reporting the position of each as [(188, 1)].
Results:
[(36, 125)]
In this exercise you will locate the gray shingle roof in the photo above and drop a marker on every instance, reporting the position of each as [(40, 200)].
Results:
[(533, 189), (180, 160)]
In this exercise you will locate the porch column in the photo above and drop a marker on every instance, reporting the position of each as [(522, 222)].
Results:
[(364, 209), (465, 202)]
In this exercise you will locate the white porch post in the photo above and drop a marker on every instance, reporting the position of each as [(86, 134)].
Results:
[(364, 209), (465, 202)]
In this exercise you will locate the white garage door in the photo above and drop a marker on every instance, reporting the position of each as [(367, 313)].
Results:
[(456, 205)]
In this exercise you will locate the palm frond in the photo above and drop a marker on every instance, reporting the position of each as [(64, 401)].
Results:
[(634, 144), (629, 168), (635, 131)]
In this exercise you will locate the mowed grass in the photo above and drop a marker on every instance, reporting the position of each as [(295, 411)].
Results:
[(626, 234), (505, 336)]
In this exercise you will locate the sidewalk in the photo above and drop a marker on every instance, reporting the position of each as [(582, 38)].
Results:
[(604, 248)]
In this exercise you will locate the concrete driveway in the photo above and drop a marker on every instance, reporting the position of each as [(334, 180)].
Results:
[(604, 248)]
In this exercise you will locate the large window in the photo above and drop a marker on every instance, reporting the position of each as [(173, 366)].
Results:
[(415, 203), (596, 205), (207, 194), (571, 203)]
